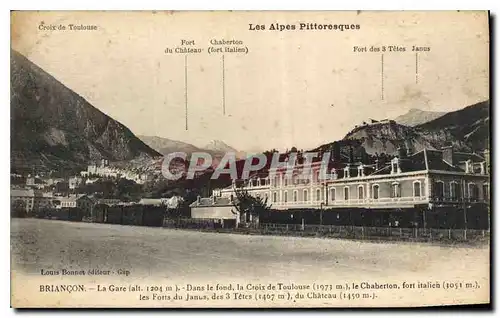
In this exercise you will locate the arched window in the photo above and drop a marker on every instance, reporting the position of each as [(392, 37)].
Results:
[(306, 196), (375, 191), (361, 192), (285, 196), (473, 192), (333, 174), (486, 191), (417, 189), (318, 195), (396, 193), (455, 191), (332, 194), (347, 172), (275, 197), (346, 193), (295, 196), (438, 190), (276, 181)]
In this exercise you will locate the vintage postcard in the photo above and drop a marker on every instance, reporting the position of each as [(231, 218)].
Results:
[(178, 159)]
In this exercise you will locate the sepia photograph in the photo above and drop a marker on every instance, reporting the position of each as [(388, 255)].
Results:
[(250, 159)]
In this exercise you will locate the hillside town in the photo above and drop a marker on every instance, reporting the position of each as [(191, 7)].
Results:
[(43, 193)]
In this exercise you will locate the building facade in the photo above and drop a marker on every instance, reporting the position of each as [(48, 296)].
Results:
[(428, 179), (30, 199)]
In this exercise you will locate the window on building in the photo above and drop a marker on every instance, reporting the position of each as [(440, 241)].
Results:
[(295, 196), (276, 181), (275, 197), (486, 192), (469, 167), (347, 172), (286, 180), (375, 191), (361, 171), (361, 192), (318, 195), (396, 192), (306, 196), (346, 193), (455, 192), (473, 192), (333, 174), (332, 194), (416, 189), (438, 190), (285, 196)]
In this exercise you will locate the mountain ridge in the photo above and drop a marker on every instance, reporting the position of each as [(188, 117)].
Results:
[(415, 117), (466, 129), (54, 127)]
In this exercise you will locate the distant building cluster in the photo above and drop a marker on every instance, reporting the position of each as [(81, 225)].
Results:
[(33, 200), (104, 170), (372, 122), (40, 192)]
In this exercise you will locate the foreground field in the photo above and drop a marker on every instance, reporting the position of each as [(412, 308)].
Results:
[(145, 252)]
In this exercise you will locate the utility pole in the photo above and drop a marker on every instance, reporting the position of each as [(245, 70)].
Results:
[(324, 202), (465, 209)]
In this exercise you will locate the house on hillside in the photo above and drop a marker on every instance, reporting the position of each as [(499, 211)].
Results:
[(75, 182)]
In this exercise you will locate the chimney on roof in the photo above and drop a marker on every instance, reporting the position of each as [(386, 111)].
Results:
[(448, 154)]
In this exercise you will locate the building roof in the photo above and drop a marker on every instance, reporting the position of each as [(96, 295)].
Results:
[(149, 201), (463, 156), (73, 197), (435, 162), (212, 201), (108, 201), (22, 193), (430, 159)]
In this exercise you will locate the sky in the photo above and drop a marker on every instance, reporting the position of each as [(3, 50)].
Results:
[(293, 88)]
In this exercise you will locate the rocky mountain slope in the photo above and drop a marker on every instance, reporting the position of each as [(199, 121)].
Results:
[(466, 129), (415, 117), (52, 127), (216, 148), (387, 138)]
